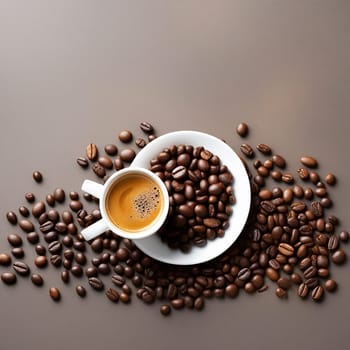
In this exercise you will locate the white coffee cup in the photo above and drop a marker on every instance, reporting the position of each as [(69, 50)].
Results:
[(105, 223)]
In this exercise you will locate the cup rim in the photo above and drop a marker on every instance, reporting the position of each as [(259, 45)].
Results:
[(151, 229)]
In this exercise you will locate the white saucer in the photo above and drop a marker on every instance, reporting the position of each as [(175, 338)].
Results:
[(153, 246)]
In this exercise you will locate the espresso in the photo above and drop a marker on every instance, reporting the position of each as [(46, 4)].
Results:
[(134, 203)]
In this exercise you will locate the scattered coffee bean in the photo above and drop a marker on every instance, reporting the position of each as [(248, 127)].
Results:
[(18, 252), (265, 149), (38, 209), (21, 268), (317, 293), (279, 161), (247, 150), (11, 217), (75, 205), (33, 237), (106, 162), (50, 200), (127, 155), (125, 136), (30, 197), (5, 259), (83, 162), (81, 291), (140, 142), (111, 149), (37, 279), (59, 195), (330, 285), (112, 295), (15, 240), (8, 278), (37, 176), (339, 257), (96, 283), (99, 170), (242, 129), (344, 236), (91, 151), (165, 310), (65, 277), (26, 225), (55, 293), (23, 211), (146, 127), (330, 179), (309, 161), (40, 261)]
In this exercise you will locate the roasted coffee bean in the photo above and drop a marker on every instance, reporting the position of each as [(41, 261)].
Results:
[(118, 280), (314, 177), (65, 277), (125, 136), (38, 209), (165, 310), (40, 250), (333, 243), (247, 150), (26, 225), (83, 162), (55, 247), (37, 176), (5, 259), (51, 236), (59, 195), (339, 257), (56, 260), (91, 271), (75, 205), (30, 197), (18, 252), (79, 245), (330, 179), (91, 151), (344, 236), (96, 283), (272, 274), (287, 178), (112, 294), (50, 200), (55, 293), (309, 161), (242, 129), (106, 162), (21, 268), (317, 293), (40, 261), (81, 291), (286, 249), (104, 269), (23, 211), (8, 278), (179, 172), (11, 217), (118, 163), (281, 293), (279, 161), (80, 258), (99, 170), (127, 155), (15, 240), (46, 226), (146, 127), (77, 270), (330, 285), (265, 149), (111, 149), (37, 279), (140, 142)]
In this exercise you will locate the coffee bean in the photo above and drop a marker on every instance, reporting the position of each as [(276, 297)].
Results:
[(177, 303), (56, 260), (83, 162), (21, 268), (46, 226), (77, 270), (140, 142), (5, 259), (242, 129), (330, 285), (287, 178), (125, 136), (265, 149), (111, 149), (30, 197), (231, 291), (127, 155), (26, 225), (309, 161), (55, 293), (81, 291), (165, 310), (15, 240), (91, 151), (279, 161), (112, 295), (272, 274), (18, 252), (286, 249), (23, 211), (37, 176), (247, 150), (8, 278), (37, 279), (65, 276), (146, 127), (38, 209), (281, 293), (344, 236), (75, 205), (55, 247), (96, 283), (118, 163), (106, 162), (339, 257), (40, 261), (317, 293), (284, 283), (11, 217), (99, 170), (50, 200), (33, 237), (330, 179), (333, 243)]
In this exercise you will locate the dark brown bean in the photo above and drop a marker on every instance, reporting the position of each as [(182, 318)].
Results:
[(40, 261), (11, 217), (21, 268), (317, 293), (339, 257), (242, 129), (15, 240), (26, 225), (37, 279), (247, 150), (127, 155), (5, 259), (96, 283), (263, 148), (330, 285), (111, 149), (125, 136), (330, 179), (83, 162), (8, 277), (55, 293), (279, 161), (37, 176), (309, 161), (30, 197), (91, 151)]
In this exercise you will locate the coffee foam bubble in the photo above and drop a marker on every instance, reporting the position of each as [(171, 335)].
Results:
[(146, 202)]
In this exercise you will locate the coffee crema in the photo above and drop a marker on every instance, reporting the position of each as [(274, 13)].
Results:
[(134, 203)]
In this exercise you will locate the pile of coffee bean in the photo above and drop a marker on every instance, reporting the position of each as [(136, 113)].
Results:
[(200, 193), (289, 239)]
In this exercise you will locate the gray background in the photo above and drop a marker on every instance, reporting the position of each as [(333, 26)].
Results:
[(74, 72)]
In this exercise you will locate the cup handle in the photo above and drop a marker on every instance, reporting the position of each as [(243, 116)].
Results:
[(93, 188), (94, 230)]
